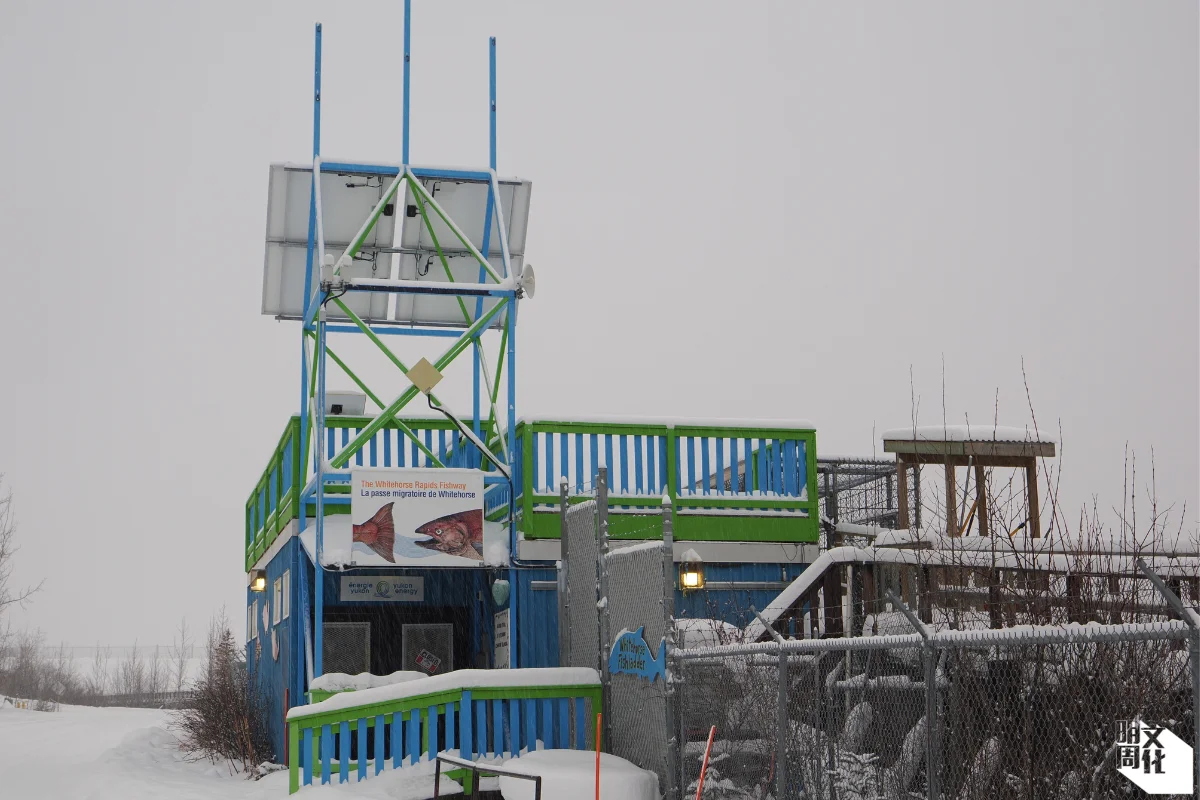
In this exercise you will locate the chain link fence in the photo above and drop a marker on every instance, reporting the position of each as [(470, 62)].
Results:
[(604, 593), (1021, 714), (579, 619), (859, 490), (637, 708)]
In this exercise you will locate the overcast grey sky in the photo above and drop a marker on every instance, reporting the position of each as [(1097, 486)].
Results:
[(751, 210)]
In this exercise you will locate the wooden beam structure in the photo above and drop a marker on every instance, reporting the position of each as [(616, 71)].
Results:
[(977, 454)]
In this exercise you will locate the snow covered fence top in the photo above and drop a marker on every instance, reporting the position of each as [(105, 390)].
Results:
[(952, 556), (459, 680), (1071, 633)]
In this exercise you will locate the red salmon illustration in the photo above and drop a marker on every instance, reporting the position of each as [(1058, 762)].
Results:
[(458, 534), (378, 533)]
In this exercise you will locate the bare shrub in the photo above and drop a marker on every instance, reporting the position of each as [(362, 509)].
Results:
[(157, 673), (99, 679), (31, 672), (131, 676), (181, 650), (228, 722), (8, 550)]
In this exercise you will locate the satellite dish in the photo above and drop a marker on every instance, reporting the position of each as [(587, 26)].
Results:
[(527, 283)]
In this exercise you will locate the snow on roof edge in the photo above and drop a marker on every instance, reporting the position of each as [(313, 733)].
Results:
[(671, 422), (968, 433)]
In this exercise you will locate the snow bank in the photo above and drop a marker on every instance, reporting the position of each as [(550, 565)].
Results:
[(451, 681), (341, 682), (968, 433), (571, 773)]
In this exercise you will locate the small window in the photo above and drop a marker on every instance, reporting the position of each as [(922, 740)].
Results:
[(287, 593), (254, 620), (249, 622), (277, 600)]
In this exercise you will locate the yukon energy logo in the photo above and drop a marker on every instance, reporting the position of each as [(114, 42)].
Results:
[(382, 589), (1156, 760)]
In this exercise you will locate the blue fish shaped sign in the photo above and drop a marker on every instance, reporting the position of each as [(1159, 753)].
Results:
[(632, 656)]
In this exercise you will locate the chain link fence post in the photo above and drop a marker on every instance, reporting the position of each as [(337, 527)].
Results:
[(564, 598), (929, 654), (1192, 619), (674, 756), (602, 600)]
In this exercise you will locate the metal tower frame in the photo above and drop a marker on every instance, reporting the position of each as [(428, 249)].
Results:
[(323, 285)]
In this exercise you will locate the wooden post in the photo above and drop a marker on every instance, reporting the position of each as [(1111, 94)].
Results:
[(902, 520), (925, 598), (814, 614), (951, 501), (994, 611), (1075, 599), (833, 601), (981, 509), (867, 573), (1031, 489)]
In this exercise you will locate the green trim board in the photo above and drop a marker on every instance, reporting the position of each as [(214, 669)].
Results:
[(692, 527)]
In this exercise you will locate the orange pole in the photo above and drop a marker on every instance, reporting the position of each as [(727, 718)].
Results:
[(599, 715), (704, 767)]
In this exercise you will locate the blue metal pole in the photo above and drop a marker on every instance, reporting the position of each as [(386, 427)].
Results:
[(407, 57), (513, 635), (312, 243), (298, 651), (492, 82), (312, 196), (319, 435), (487, 221)]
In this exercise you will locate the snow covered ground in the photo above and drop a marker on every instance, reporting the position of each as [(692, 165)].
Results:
[(104, 753), (82, 753)]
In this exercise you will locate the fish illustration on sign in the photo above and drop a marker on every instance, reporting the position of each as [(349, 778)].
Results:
[(631, 655), (458, 534), (378, 533)]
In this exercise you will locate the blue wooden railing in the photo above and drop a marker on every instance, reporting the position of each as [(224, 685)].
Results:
[(466, 712)]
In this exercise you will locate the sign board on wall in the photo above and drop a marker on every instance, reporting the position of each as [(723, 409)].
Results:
[(417, 517), (500, 657), (631, 655), (382, 589)]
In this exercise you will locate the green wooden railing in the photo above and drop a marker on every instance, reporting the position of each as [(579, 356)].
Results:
[(469, 712), (729, 482)]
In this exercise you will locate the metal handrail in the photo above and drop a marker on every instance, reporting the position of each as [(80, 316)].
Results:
[(474, 767)]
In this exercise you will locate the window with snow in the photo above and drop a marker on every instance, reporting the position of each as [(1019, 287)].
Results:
[(287, 593)]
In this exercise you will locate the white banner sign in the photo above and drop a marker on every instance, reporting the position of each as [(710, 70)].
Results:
[(417, 517), (500, 655), (382, 589)]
